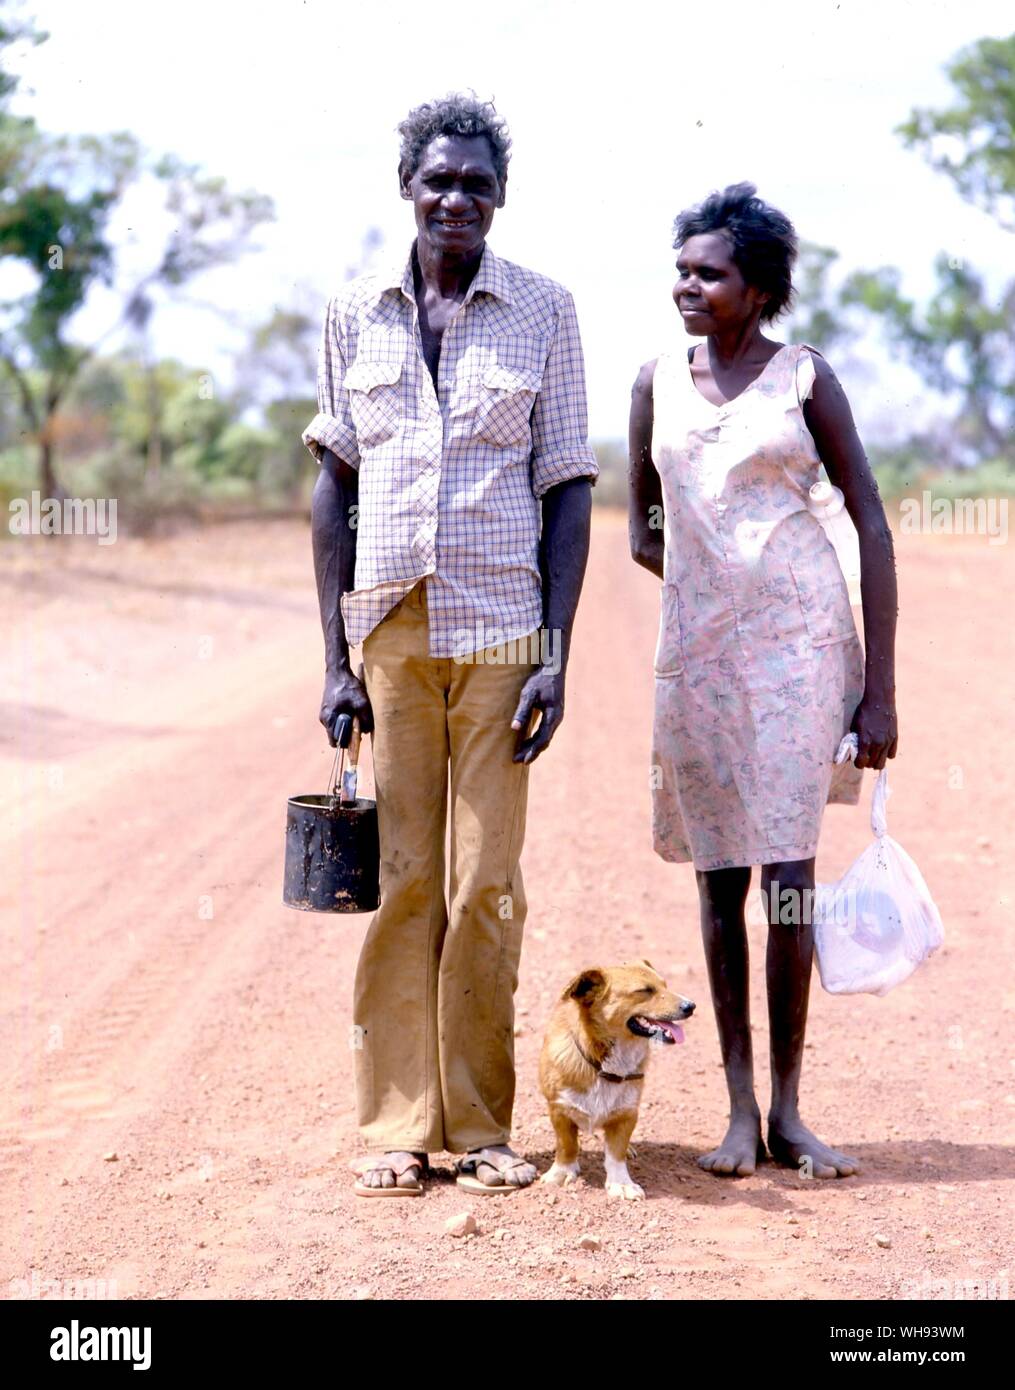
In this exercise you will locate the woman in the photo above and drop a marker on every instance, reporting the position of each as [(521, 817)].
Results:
[(759, 670)]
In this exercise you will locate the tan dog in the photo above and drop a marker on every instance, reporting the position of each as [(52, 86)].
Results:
[(595, 1054)]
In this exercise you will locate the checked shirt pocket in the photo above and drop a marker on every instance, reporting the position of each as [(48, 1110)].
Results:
[(374, 401), (506, 397)]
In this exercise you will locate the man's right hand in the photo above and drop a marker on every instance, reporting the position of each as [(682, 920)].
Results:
[(344, 694)]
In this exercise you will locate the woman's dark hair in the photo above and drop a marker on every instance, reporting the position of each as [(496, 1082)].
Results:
[(455, 114), (763, 238)]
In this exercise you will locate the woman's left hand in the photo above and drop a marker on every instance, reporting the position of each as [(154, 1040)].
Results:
[(876, 726)]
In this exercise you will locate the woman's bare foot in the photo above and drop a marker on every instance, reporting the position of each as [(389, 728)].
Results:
[(740, 1151), (791, 1143)]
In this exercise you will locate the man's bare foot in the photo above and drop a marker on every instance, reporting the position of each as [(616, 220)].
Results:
[(792, 1144), (396, 1169), (495, 1167), (740, 1151)]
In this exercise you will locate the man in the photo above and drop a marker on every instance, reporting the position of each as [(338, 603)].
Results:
[(452, 423)]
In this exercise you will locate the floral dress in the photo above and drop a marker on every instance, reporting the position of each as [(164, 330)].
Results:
[(758, 668)]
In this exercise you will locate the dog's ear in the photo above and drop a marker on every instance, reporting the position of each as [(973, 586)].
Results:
[(586, 986), (649, 964)]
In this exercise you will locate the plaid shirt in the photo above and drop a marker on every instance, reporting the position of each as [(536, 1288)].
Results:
[(449, 481)]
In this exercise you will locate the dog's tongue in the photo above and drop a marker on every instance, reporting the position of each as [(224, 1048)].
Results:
[(673, 1029)]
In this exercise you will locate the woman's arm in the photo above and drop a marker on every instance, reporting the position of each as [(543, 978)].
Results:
[(830, 421), (645, 493)]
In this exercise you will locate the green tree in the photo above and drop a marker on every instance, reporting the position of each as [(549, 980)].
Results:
[(56, 201), (60, 234), (165, 397), (14, 29), (276, 375), (973, 142), (961, 342), (818, 316)]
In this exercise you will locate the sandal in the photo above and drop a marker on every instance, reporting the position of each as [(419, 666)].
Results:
[(408, 1169), (466, 1169)]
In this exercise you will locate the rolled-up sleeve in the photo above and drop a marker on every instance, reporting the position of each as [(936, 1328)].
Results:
[(332, 427), (560, 446)]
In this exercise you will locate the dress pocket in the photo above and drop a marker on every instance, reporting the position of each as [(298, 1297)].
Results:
[(824, 600), (669, 657), (374, 401), (506, 397)]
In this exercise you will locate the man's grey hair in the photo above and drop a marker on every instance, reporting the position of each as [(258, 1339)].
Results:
[(455, 114)]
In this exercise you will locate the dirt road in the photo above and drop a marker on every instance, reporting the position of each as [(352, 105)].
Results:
[(174, 1071)]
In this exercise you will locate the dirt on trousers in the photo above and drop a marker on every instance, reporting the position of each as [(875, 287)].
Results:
[(177, 1102)]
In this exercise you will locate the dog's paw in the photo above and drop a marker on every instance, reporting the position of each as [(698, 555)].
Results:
[(626, 1191), (561, 1174)]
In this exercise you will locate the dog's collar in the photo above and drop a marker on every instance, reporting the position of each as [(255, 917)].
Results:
[(598, 1066)]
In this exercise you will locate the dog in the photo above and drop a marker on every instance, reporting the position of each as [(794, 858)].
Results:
[(593, 1061)]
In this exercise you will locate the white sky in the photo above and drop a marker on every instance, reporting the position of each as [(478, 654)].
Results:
[(620, 117)]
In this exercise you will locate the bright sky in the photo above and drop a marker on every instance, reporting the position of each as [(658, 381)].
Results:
[(620, 116)]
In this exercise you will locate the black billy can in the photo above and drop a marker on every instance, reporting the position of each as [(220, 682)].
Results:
[(332, 850)]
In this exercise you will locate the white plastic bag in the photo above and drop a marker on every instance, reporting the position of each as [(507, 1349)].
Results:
[(878, 923)]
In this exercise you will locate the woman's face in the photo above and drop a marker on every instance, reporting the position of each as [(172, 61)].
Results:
[(710, 292)]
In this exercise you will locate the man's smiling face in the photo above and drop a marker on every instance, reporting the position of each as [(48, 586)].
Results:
[(455, 193)]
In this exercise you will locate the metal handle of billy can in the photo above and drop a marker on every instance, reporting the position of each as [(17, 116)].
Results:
[(344, 772), (346, 733)]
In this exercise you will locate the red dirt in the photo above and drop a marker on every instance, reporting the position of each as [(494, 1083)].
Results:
[(160, 1004)]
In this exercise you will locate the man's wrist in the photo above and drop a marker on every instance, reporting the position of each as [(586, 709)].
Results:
[(554, 646)]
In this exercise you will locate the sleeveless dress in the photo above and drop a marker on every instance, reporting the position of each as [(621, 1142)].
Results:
[(758, 667)]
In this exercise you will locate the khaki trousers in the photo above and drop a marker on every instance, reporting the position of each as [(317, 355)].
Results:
[(433, 1005)]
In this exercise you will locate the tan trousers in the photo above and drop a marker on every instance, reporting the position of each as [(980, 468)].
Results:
[(433, 1010)]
